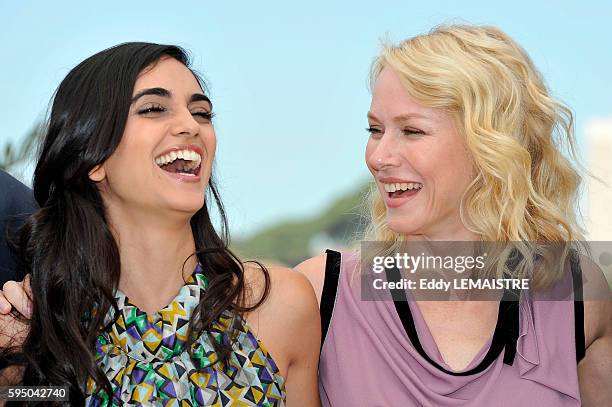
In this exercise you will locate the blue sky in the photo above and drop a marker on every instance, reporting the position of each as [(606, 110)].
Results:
[(289, 81)]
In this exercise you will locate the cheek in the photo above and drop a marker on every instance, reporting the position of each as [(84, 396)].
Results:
[(449, 156), (131, 164), (369, 150), (122, 162), (454, 172), (210, 146), (462, 165)]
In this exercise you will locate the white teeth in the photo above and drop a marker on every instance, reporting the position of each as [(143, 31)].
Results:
[(402, 186), (188, 155)]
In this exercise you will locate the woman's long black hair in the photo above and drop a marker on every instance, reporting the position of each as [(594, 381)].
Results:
[(67, 245)]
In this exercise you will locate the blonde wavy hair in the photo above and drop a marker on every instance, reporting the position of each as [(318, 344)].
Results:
[(525, 189)]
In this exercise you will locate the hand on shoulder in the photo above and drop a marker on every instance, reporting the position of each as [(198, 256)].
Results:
[(13, 330), (15, 296)]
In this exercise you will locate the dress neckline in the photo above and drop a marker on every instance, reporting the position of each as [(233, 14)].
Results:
[(160, 335), (196, 280), (504, 336)]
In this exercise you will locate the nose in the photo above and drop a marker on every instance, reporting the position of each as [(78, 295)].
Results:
[(185, 125), (384, 153)]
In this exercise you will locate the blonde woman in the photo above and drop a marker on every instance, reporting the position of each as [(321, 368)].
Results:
[(462, 147)]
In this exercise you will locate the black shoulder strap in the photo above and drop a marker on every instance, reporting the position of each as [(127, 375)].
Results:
[(330, 289), (578, 306), (504, 337)]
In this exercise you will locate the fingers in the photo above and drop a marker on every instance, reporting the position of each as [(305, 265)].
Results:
[(15, 293), (27, 286), (5, 305), (13, 331)]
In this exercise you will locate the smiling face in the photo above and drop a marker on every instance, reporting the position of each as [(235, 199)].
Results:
[(165, 156), (419, 161)]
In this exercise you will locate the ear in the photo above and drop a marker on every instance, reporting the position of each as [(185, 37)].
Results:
[(97, 174)]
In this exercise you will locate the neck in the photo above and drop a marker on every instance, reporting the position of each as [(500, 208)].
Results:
[(455, 233), (153, 249)]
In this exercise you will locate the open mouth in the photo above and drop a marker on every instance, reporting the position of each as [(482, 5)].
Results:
[(182, 162), (402, 189)]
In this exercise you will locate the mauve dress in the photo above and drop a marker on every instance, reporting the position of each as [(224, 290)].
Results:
[(367, 358)]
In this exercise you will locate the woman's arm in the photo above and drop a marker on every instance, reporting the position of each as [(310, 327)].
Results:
[(595, 369), (288, 325)]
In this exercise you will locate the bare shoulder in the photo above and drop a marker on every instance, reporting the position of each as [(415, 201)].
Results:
[(594, 369), (597, 302), (595, 284), (286, 285), (287, 321), (291, 302), (314, 270)]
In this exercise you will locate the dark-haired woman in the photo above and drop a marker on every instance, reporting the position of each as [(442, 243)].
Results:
[(136, 297)]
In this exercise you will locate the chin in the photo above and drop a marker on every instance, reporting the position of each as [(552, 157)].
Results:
[(187, 206), (403, 226)]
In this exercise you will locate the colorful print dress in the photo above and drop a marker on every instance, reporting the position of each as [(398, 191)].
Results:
[(145, 359)]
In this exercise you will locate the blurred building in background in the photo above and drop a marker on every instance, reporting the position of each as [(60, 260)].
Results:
[(599, 191)]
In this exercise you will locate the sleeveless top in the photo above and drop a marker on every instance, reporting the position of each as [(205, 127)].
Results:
[(145, 359), (381, 353)]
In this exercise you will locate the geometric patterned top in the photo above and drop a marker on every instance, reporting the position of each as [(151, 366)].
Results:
[(144, 358)]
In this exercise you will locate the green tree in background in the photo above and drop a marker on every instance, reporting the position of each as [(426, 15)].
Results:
[(293, 241), (14, 154)]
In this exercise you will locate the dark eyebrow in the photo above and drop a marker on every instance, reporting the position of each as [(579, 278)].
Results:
[(152, 91), (199, 97), (196, 97)]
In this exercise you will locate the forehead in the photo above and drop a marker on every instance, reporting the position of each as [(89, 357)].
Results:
[(390, 98), (170, 74)]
